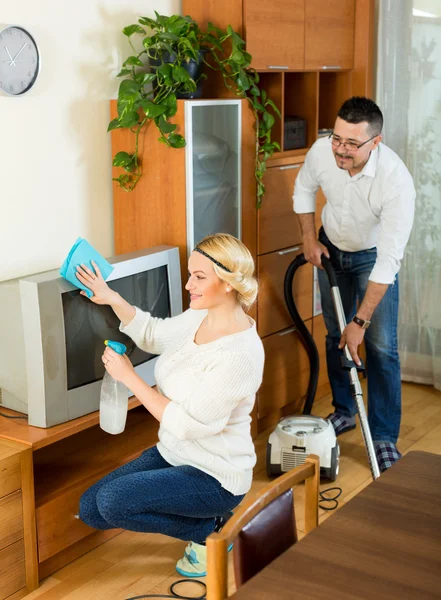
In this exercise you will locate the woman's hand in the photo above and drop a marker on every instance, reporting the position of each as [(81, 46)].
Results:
[(117, 365), (93, 280)]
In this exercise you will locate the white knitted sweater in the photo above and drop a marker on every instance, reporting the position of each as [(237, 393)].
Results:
[(211, 388)]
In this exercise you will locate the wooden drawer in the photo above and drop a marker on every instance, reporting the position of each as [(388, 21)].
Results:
[(10, 474), (271, 309), (277, 224), (12, 569), (286, 373), (57, 527), (11, 519)]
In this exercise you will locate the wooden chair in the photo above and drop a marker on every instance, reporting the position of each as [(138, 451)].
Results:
[(262, 529)]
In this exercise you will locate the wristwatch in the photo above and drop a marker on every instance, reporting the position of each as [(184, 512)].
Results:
[(361, 322)]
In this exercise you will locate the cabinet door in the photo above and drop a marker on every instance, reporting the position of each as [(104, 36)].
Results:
[(271, 308), (277, 224), (286, 373), (329, 34), (274, 33)]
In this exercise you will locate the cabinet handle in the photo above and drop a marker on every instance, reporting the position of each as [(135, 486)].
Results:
[(331, 67), (289, 167), (277, 67), (288, 250), (290, 330)]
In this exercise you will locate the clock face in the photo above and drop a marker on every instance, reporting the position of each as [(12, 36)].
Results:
[(19, 60)]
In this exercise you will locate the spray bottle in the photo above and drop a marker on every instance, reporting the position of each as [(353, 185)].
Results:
[(114, 398)]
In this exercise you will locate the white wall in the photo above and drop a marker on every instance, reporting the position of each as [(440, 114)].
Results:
[(55, 154)]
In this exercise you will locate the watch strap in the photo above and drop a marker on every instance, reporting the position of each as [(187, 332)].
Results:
[(361, 322)]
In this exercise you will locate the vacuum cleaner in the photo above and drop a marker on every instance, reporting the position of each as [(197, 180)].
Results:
[(297, 436)]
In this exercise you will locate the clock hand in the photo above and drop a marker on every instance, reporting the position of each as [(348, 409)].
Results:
[(19, 52), (9, 54)]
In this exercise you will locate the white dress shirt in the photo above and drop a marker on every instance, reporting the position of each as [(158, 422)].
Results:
[(374, 208)]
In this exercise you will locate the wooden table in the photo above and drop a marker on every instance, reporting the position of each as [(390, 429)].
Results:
[(384, 544)]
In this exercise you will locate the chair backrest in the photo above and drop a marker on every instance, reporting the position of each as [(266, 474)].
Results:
[(262, 529)]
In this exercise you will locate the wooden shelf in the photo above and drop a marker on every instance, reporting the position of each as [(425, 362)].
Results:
[(82, 457), (19, 431)]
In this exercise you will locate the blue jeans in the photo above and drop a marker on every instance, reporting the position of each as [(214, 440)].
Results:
[(150, 495), (352, 270)]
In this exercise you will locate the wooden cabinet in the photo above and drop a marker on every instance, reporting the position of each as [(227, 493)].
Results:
[(274, 33), (329, 34), (286, 376), (18, 563), (277, 224), (158, 211), (272, 314)]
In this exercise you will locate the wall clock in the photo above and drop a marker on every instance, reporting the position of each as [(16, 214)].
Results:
[(19, 60)]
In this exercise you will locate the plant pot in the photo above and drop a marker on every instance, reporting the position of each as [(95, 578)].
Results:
[(193, 67)]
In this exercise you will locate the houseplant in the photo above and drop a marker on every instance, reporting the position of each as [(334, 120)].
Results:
[(175, 44)]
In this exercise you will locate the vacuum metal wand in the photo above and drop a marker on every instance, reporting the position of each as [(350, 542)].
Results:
[(357, 393)]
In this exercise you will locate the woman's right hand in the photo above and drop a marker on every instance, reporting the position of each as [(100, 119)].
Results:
[(94, 281), (313, 250)]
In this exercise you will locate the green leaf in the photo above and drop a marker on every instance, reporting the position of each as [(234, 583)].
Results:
[(274, 107), (144, 78), (131, 29), (163, 140), (176, 140), (263, 96), (129, 119), (128, 90), (165, 71), (242, 81), (180, 74), (124, 72), (268, 119), (122, 159), (152, 110), (133, 61), (254, 90), (165, 126), (148, 22), (114, 124), (123, 179), (171, 105), (212, 27)]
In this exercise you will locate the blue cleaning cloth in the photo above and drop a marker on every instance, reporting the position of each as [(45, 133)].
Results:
[(83, 253)]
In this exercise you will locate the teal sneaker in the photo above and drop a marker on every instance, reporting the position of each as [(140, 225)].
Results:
[(194, 561)]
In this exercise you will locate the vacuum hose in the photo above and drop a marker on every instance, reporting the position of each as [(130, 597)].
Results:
[(303, 332)]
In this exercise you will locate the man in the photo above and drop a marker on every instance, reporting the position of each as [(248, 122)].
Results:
[(367, 221)]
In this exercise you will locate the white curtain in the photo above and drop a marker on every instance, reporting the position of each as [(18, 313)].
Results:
[(409, 94)]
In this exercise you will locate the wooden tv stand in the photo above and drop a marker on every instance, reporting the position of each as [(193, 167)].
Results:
[(66, 460)]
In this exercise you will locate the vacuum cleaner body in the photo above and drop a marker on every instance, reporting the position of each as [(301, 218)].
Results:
[(298, 436)]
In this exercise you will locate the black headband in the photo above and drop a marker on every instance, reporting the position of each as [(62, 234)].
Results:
[(216, 262)]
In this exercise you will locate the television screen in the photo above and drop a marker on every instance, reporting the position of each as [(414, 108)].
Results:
[(87, 325)]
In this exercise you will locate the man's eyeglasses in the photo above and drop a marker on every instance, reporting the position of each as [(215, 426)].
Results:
[(350, 146)]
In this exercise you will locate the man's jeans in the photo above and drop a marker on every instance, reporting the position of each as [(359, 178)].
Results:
[(352, 270), (150, 495)]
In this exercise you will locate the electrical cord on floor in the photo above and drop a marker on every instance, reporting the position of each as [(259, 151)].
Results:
[(330, 498), (174, 594), (12, 416)]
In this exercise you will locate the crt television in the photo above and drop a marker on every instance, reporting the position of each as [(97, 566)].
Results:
[(52, 337)]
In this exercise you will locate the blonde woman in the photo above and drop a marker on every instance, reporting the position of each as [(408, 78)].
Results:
[(209, 370)]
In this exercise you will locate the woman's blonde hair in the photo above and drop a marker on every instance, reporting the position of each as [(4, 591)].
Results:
[(233, 263)]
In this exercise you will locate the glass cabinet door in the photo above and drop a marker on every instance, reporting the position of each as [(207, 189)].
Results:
[(213, 159)]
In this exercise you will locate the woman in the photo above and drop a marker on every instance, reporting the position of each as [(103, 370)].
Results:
[(209, 370)]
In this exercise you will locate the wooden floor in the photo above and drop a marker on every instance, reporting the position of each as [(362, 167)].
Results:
[(132, 564)]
